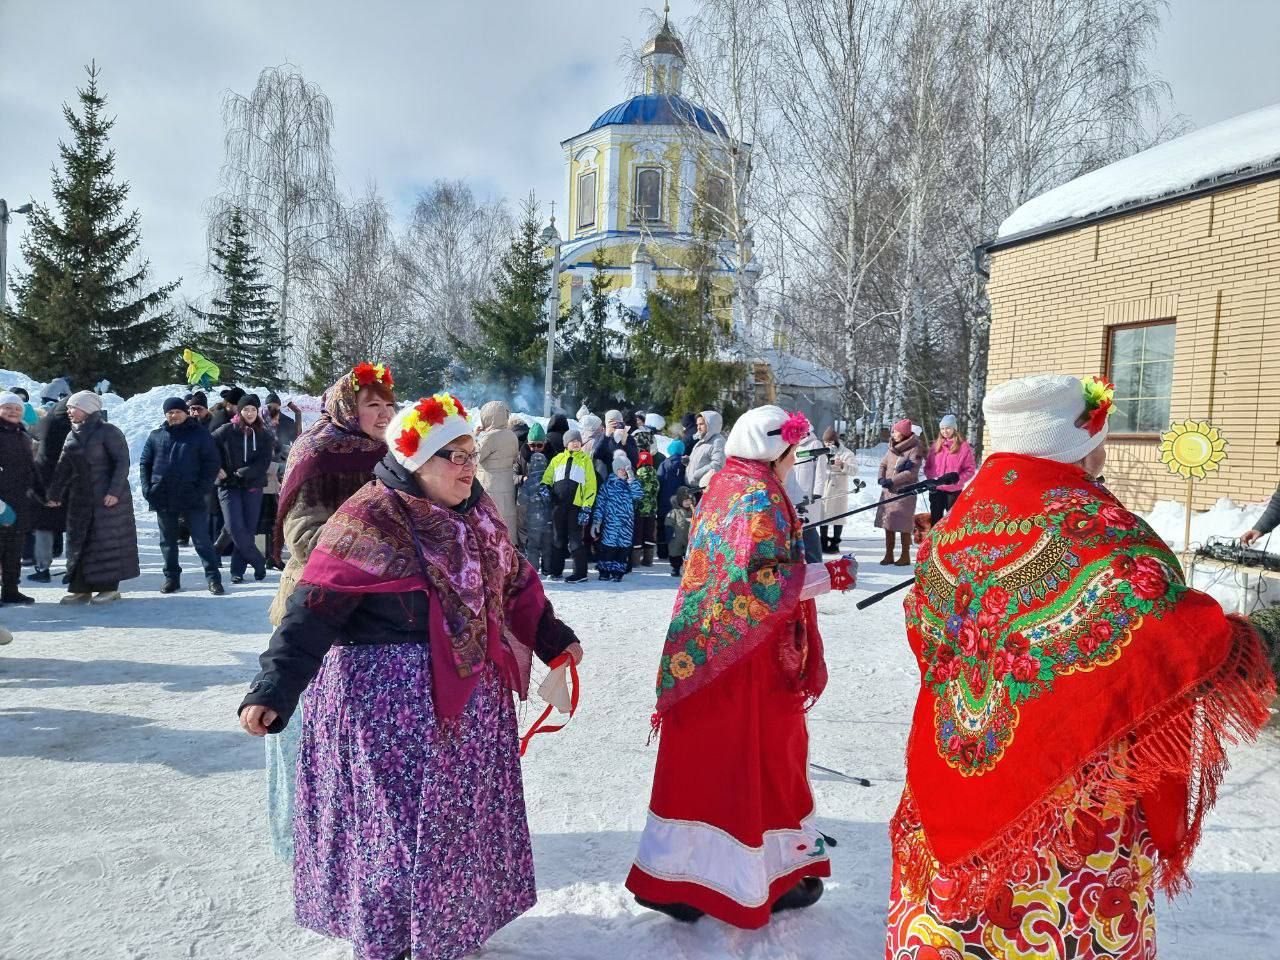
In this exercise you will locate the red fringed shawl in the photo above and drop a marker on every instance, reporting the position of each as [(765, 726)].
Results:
[(743, 574), (1059, 649)]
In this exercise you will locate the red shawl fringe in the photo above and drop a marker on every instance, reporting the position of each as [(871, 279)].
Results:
[(1181, 742)]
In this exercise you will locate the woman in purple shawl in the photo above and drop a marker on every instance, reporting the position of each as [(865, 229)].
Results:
[(413, 623), (333, 459)]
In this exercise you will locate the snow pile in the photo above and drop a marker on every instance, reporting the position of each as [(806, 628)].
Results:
[(1247, 142)]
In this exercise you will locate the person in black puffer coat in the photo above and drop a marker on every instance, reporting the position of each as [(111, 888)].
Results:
[(17, 473), (245, 446), (48, 523), (556, 429), (178, 467), (92, 479)]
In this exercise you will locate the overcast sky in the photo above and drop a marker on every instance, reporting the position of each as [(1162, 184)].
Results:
[(481, 89)]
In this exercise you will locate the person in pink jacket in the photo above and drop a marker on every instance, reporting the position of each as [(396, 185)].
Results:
[(950, 453)]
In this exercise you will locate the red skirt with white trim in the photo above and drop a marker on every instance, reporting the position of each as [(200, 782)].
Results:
[(731, 825)]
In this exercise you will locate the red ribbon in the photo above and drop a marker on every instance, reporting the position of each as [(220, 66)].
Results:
[(538, 725)]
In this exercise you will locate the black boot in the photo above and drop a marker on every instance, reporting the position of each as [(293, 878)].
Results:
[(40, 576), (676, 911), (170, 586), (216, 588), (804, 894)]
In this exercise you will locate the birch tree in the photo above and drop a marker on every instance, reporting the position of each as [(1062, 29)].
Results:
[(278, 171)]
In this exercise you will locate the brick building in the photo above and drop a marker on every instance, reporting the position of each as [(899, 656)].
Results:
[(1163, 272)]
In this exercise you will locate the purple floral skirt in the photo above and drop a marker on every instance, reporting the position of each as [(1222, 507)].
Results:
[(409, 834)]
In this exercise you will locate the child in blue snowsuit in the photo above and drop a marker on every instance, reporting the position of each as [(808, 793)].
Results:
[(533, 512), (613, 518)]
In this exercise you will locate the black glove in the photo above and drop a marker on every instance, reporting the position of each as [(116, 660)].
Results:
[(906, 465), (886, 483)]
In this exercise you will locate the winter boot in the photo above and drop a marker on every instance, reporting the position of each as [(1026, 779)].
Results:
[(637, 557), (647, 557), (676, 911), (106, 596), (16, 597), (216, 588), (170, 586), (804, 894), (76, 599), (888, 549), (40, 576), (904, 560)]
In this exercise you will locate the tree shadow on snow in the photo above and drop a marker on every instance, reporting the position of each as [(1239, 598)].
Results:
[(86, 736), (37, 673)]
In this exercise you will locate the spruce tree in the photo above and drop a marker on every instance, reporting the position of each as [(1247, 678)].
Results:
[(593, 368), (240, 331), (323, 362), (82, 309), (682, 351), (510, 339), (420, 369)]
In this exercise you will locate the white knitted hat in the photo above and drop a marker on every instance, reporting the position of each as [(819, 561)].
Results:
[(764, 433), (1038, 416), (655, 421), (416, 433), (9, 397)]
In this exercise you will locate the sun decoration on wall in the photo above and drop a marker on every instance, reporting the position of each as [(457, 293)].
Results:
[(1193, 448)]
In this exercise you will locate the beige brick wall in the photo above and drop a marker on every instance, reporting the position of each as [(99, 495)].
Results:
[(1211, 264)]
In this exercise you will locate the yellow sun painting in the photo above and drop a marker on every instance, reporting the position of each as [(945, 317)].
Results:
[(1192, 448)]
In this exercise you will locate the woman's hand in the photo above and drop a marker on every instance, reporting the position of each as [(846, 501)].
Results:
[(255, 719), (110, 500), (574, 650)]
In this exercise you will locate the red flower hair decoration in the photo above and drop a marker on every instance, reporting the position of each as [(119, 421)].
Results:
[(367, 373)]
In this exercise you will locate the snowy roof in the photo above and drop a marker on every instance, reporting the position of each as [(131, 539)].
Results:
[(1249, 143)]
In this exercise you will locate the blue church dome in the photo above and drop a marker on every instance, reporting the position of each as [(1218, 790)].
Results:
[(650, 109)]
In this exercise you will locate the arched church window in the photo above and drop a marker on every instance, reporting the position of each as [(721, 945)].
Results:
[(647, 207), (587, 199)]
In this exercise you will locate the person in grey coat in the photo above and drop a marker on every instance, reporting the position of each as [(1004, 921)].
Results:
[(707, 455), (533, 510), (92, 477)]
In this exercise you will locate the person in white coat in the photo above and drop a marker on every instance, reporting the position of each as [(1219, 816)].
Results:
[(841, 466), (498, 449)]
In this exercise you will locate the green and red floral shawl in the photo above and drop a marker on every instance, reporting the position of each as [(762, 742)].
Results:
[(1065, 669), (743, 574)]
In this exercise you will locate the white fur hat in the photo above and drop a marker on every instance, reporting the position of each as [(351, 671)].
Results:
[(1039, 416), (655, 422), (416, 433), (764, 433)]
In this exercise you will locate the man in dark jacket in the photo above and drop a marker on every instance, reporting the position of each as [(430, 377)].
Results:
[(617, 436), (245, 447), (178, 467), (17, 473), (283, 426)]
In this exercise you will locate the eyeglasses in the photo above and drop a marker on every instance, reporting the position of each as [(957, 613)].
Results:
[(536, 444), (459, 458)]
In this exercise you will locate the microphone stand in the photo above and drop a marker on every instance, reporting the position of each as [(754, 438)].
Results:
[(912, 491)]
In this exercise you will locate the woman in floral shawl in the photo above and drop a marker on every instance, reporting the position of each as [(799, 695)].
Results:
[(1075, 699), (333, 459), (730, 831), (414, 622)]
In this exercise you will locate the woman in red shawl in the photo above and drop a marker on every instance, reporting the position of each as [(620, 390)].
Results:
[(1075, 699), (731, 830)]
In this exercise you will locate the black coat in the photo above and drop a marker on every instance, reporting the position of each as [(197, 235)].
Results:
[(17, 471), (317, 619), (178, 467), (246, 455), (103, 540), (606, 448), (50, 432), (556, 429)]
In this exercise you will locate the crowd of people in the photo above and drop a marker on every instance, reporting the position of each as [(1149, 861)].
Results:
[(1075, 702)]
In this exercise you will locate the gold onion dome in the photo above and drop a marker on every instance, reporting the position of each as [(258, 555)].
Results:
[(665, 41)]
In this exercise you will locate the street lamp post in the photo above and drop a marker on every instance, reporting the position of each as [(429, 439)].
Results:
[(4, 245), (551, 238)]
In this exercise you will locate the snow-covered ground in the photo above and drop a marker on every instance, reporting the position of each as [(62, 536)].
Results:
[(132, 810)]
